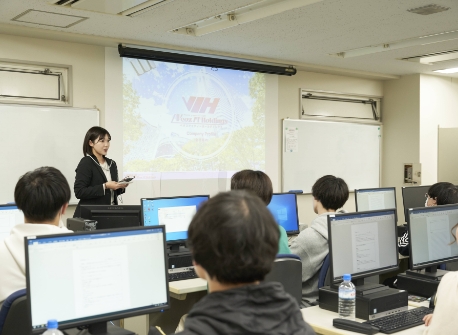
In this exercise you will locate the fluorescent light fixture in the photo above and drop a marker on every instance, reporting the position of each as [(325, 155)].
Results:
[(259, 10), (411, 42), (452, 70)]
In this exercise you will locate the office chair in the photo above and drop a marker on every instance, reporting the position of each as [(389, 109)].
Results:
[(323, 279), (287, 270), (14, 315)]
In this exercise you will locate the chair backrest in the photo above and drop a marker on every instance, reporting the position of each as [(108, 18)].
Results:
[(287, 270), (324, 278), (14, 315)]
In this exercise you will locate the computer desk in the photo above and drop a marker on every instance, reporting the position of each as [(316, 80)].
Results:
[(184, 294), (321, 321)]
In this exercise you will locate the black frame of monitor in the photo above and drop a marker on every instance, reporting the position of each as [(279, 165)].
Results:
[(174, 245), (98, 321), (403, 197), (291, 232), (430, 266), (112, 209), (364, 274), (374, 189)]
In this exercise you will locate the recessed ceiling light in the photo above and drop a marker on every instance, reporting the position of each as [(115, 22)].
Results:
[(452, 70)]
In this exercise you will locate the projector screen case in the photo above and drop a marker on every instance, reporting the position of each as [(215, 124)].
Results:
[(242, 65)]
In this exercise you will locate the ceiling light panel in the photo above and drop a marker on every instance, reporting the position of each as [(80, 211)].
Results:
[(241, 15), (452, 70), (433, 58)]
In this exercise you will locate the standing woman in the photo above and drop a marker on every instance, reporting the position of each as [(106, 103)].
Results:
[(96, 175)]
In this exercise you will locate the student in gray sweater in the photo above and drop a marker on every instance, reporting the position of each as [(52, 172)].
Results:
[(311, 245)]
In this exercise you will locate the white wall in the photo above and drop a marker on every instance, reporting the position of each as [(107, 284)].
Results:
[(88, 69), (438, 108), (288, 106), (401, 131)]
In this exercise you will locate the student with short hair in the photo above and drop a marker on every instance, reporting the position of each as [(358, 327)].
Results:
[(233, 239), (43, 196), (442, 193), (311, 245), (260, 183)]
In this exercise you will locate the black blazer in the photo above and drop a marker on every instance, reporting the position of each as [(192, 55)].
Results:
[(89, 182)]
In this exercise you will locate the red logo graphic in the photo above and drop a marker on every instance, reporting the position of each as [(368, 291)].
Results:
[(201, 104)]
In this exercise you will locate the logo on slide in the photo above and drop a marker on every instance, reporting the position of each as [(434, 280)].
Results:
[(201, 104), (203, 115)]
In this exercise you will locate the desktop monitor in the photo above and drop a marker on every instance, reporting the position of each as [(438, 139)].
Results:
[(175, 213), (10, 216), (111, 217), (89, 278), (371, 199), (283, 207), (431, 240), (362, 244), (413, 197)]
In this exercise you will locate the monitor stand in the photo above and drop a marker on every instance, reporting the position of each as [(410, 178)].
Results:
[(431, 273), (363, 289), (100, 328)]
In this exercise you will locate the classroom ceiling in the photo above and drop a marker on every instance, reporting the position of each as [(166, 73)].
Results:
[(302, 36)]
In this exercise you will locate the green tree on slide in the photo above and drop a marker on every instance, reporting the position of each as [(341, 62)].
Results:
[(131, 118)]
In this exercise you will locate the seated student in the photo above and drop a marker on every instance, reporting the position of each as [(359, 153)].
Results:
[(444, 320), (311, 245), (261, 185), (233, 240), (438, 194), (43, 196)]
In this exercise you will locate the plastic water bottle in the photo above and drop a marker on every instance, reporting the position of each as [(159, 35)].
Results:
[(52, 328), (347, 297)]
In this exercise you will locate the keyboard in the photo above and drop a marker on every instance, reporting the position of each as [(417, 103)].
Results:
[(183, 275), (404, 320)]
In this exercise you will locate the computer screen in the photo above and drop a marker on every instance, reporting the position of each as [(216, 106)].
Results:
[(93, 277), (283, 207), (111, 217), (372, 199), (414, 197), (362, 244), (10, 216), (431, 241), (175, 213)]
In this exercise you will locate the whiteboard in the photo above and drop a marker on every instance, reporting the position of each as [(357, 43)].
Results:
[(347, 150), (36, 136)]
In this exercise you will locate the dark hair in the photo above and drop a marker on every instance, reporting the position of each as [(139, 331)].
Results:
[(234, 237), (255, 181), (93, 134), (41, 193), (444, 193), (331, 191)]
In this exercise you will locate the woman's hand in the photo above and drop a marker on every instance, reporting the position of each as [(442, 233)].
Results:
[(113, 185), (427, 319)]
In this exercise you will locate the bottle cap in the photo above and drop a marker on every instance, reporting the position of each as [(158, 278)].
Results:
[(52, 324), (347, 277)]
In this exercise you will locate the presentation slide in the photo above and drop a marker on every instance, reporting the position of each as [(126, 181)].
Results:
[(193, 119)]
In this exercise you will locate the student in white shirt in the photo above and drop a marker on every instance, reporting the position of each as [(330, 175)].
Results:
[(43, 196)]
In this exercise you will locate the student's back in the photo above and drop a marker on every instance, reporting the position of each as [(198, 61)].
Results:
[(43, 196), (233, 239), (311, 245)]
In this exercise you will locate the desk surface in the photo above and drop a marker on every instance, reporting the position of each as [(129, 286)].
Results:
[(321, 322), (188, 286)]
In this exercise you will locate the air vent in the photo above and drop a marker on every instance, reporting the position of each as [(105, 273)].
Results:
[(115, 7), (50, 19), (429, 9), (433, 58)]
